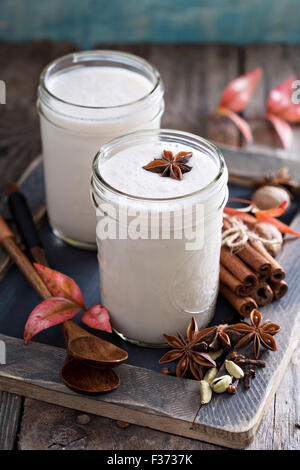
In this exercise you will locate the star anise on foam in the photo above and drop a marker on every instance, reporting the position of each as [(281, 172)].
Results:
[(169, 165), (256, 333), (190, 351)]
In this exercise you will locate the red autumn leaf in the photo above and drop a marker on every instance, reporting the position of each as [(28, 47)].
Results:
[(283, 228), (291, 113), (248, 208), (240, 123), (239, 91), (275, 212), (280, 96), (60, 285), (97, 317), (246, 217), (48, 313), (282, 128)]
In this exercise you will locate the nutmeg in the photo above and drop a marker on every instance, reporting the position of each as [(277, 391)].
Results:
[(269, 232), (268, 197)]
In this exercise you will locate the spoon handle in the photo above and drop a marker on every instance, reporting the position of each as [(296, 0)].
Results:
[(20, 210), (8, 241), (26, 227)]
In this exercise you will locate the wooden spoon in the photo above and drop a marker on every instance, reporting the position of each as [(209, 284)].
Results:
[(84, 346)]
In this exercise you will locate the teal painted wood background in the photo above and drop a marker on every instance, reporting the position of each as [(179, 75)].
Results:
[(88, 22)]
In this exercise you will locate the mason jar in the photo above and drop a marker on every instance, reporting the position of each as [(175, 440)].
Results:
[(84, 100), (158, 239)]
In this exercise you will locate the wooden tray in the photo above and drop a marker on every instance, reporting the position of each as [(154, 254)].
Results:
[(145, 396)]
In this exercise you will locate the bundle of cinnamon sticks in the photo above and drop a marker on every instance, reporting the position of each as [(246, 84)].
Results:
[(250, 276)]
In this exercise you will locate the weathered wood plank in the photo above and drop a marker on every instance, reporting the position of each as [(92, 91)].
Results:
[(10, 414), (194, 77), (20, 67), (280, 428), (47, 426)]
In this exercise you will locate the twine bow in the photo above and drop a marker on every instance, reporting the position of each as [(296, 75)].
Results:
[(238, 234)]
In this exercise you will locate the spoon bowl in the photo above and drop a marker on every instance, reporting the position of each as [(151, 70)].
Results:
[(83, 378), (90, 349)]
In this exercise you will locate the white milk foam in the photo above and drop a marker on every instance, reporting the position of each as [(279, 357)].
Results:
[(124, 171), (99, 86)]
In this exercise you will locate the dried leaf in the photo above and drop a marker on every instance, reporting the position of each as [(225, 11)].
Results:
[(48, 313), (248, 208), (282, 128), (60, 285), (97, 317), (240, 123), (242, 215), (275, 212), (280, 97), (283, 228), (291, 113), (239, 91)]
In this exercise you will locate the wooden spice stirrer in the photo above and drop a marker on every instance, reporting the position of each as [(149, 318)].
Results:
[(82, 346)]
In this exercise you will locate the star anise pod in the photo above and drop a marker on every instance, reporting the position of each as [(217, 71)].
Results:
[(282, 178), (216, 337), (169, 165), (189, 352), (256, 333)]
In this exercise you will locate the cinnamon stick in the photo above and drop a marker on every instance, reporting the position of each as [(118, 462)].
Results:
[(238, 268), (255, 260), (234, 284), (263, 294), (279, 289), (277, 272), (252, 257), (244, 305)]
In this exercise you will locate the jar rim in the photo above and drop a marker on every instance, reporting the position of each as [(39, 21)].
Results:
[(104, 54), (98, 180)]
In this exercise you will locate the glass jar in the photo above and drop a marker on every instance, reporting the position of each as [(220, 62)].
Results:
[(153, 282), (72, 133)]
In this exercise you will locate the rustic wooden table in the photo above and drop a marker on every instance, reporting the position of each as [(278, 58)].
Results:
[(194, 77)]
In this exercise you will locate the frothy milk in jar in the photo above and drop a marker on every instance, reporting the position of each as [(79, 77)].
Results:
[(158, 238), (86, 99)]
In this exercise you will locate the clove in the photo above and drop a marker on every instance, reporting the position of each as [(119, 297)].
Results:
[(249, 375), (242, 360)]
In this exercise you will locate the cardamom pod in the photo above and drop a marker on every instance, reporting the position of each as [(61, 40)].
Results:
[(215, 354), (233, 369), (205, 392), (221, 384), (210, 375)]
